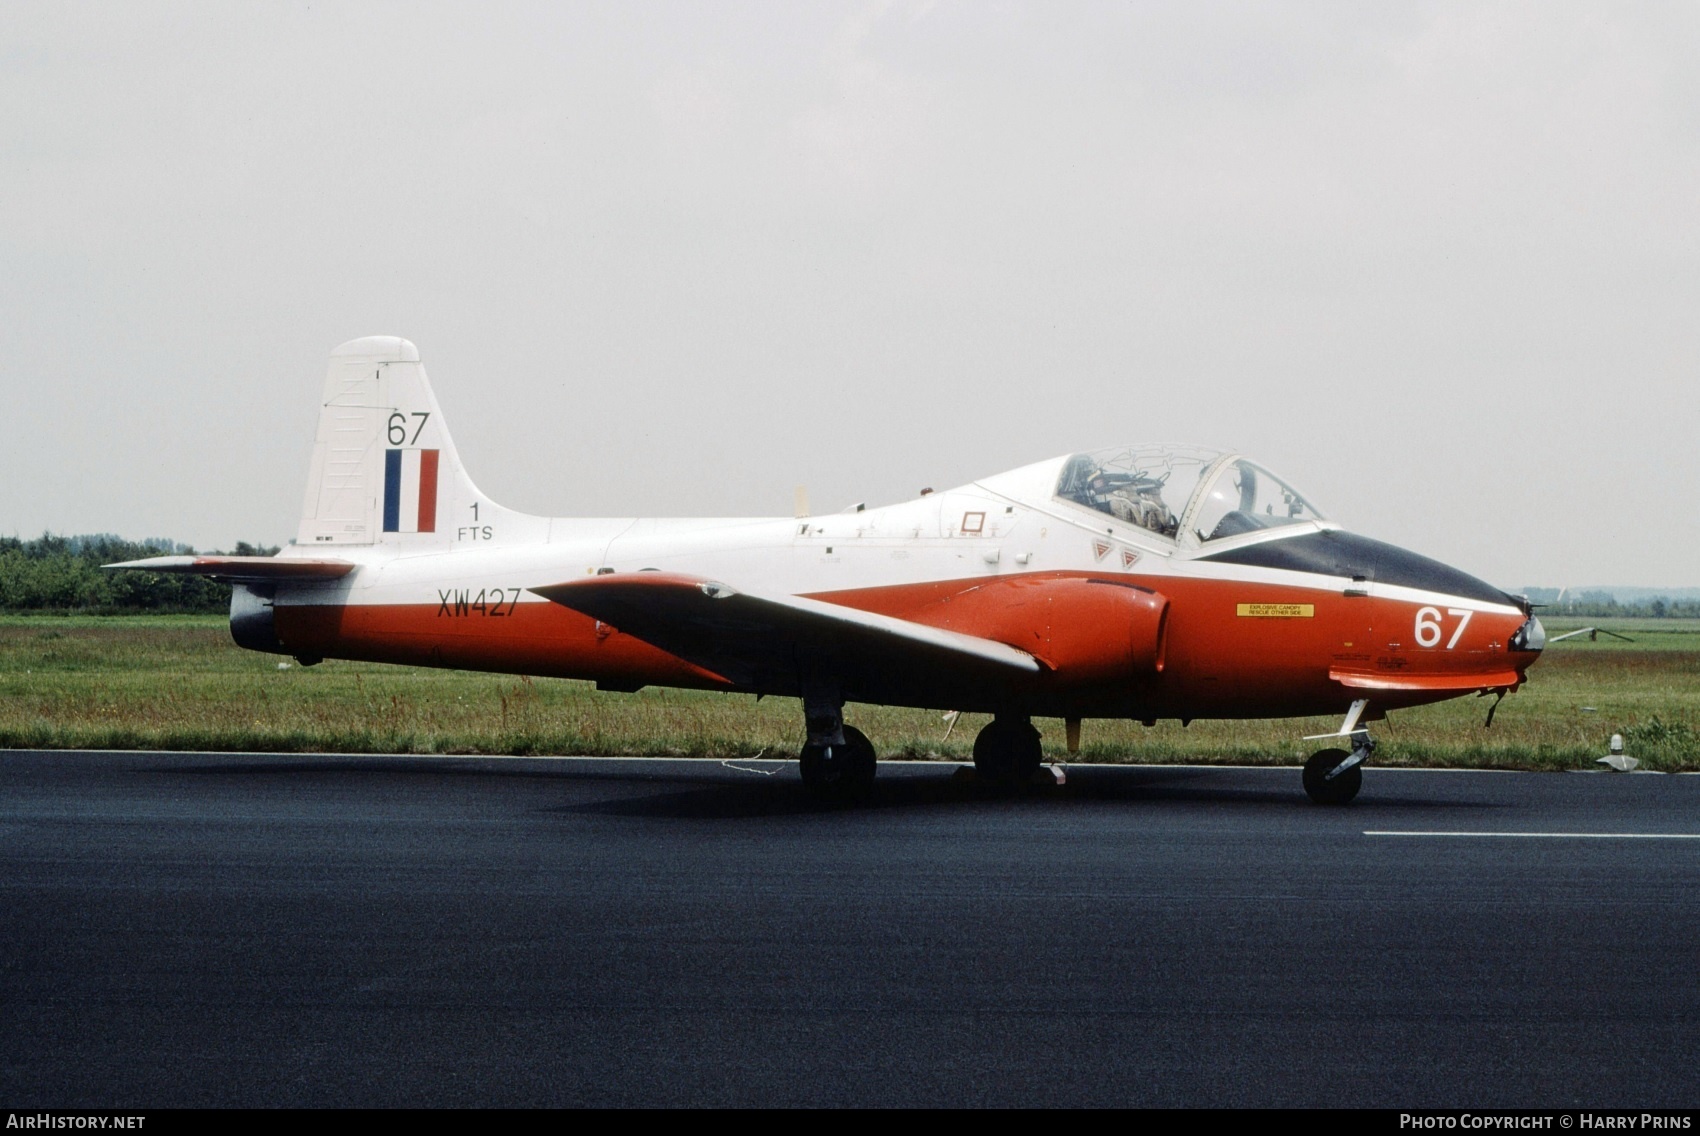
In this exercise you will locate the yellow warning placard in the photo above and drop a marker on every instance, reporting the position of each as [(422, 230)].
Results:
[(1278, 611)]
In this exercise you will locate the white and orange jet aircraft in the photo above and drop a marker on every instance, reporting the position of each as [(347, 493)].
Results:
[(1141, 582)]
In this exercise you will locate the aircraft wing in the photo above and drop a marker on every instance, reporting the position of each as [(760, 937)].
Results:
[(768, 642), (243, 569)]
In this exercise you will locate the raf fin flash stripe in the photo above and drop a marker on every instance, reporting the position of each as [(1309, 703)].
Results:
[(410, 491)]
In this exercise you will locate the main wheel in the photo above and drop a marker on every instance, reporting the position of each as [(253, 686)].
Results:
[(1342, 788), (844, 771), (1007, 752)]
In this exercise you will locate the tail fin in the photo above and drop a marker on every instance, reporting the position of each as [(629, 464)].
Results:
[(384, 467)]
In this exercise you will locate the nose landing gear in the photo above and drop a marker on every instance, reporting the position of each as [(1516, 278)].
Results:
[(1334, 776)]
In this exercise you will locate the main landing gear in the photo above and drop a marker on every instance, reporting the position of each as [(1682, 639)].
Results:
[(1006, 752), (841, 769), (1334, 776), (837, 760)]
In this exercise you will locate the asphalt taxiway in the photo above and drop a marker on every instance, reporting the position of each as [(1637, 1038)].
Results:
[(320, 930)]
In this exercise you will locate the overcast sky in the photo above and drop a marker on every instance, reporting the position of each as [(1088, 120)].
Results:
[(1438, 264)]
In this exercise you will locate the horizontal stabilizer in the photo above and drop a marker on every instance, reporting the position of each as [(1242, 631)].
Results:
[(243, 569), (766, 642), (1493, 680)]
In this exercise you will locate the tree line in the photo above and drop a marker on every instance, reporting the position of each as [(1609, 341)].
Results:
[(1597, 603), (63, 573)]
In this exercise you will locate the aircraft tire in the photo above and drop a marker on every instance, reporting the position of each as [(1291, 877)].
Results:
[(1007, 752), (1338, 791), (840, 771)]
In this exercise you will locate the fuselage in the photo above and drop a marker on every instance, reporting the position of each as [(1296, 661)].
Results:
[(1296, 618)]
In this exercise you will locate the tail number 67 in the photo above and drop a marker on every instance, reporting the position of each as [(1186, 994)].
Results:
[(1429, 628)]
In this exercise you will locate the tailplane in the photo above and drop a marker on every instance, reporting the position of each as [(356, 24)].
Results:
[(385, 470)]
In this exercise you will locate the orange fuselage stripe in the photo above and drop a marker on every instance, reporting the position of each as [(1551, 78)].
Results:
[(1273, 661)]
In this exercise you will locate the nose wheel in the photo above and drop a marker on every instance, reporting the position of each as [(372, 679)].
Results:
[(1334, 776), (1329, 780)]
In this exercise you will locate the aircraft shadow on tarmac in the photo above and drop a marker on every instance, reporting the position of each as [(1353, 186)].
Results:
[(678, 791), (1098, 785), (331, 766)]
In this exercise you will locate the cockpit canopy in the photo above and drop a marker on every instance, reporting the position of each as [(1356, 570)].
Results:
[(1183, 492)]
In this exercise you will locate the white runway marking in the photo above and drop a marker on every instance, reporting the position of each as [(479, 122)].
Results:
[(1555, 835)]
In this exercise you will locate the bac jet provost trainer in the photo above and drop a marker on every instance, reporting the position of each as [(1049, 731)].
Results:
[(1143, 582)]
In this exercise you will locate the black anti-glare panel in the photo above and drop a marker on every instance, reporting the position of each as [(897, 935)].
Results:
[(1347, 554)]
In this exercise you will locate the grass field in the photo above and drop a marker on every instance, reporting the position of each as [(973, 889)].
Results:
[(177, 682)]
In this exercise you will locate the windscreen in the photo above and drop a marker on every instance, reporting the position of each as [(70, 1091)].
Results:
[(1244, 497)]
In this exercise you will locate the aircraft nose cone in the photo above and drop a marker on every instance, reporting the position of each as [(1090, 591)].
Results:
[(1529, 637)]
